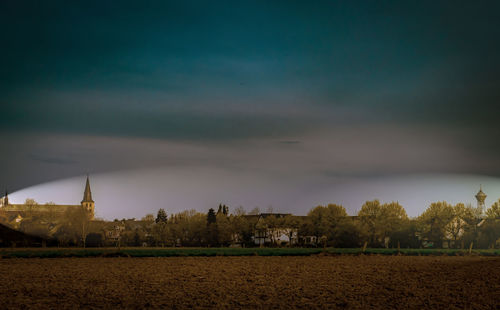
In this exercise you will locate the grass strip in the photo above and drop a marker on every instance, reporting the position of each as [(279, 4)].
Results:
[(186, 252)]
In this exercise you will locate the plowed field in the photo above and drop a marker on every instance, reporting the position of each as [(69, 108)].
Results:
[(252, 282)]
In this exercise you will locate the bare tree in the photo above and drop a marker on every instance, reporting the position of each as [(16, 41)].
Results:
[(254, 211), (78, 220)]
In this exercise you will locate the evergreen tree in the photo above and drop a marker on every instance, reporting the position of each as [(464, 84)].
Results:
[(161, 217), (211, 228), (223, 209), (211, 217)]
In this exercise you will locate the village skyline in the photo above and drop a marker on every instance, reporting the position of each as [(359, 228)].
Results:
[(377, 224), (20, 198)]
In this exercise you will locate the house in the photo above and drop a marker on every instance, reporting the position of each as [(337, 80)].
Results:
[(124, 230), (114, 232), (274, 228)]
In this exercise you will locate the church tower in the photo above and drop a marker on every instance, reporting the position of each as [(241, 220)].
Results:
[(481, 197), (87, 202)]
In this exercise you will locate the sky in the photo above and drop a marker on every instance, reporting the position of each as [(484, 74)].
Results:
[(278, 104)]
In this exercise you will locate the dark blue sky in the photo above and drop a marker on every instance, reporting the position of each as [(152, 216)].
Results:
[(363, 89)]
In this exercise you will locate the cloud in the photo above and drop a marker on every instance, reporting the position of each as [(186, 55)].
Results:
[(337, 152), (52, 160), (337, 91)]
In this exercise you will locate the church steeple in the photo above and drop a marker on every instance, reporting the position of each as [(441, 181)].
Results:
[(87, 201), (87, 194)]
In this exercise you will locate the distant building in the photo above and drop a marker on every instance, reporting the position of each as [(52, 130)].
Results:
[(18, 211), (266, 232), (458, 224), (481, 197)]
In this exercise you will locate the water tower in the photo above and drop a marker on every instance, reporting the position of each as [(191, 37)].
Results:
[(481, 197)]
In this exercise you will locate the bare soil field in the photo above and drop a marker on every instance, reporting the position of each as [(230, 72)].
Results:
[(362, 282)]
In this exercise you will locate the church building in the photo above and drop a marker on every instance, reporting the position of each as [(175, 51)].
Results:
[(20, 209)]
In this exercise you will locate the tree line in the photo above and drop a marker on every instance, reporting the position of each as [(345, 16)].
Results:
[(375, 225)]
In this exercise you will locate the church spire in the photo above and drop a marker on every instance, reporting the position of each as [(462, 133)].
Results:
[(87, 195)]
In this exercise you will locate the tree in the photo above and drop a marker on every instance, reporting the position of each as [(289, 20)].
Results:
[(459, 222), (489, 234), (381, 221), (160, 233), (211, 227), (223, 209), (349, 234), (175, 229), (189, 228), (76, 221), (146, 226), (368, 215), (239, 211), (392, 221), (324, 221), (93, 240), (494, 211), (149, 218), (197, 228), (161, 217), (211, 217), (434, 221), (30, 211), (254, 211), (137, 238), (160, 229), (472, 218), (30, 202), (243, 228), (406, 236), (66, 235), (224, 230)]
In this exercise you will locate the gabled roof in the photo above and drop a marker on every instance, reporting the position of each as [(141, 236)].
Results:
[(264, 215)]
